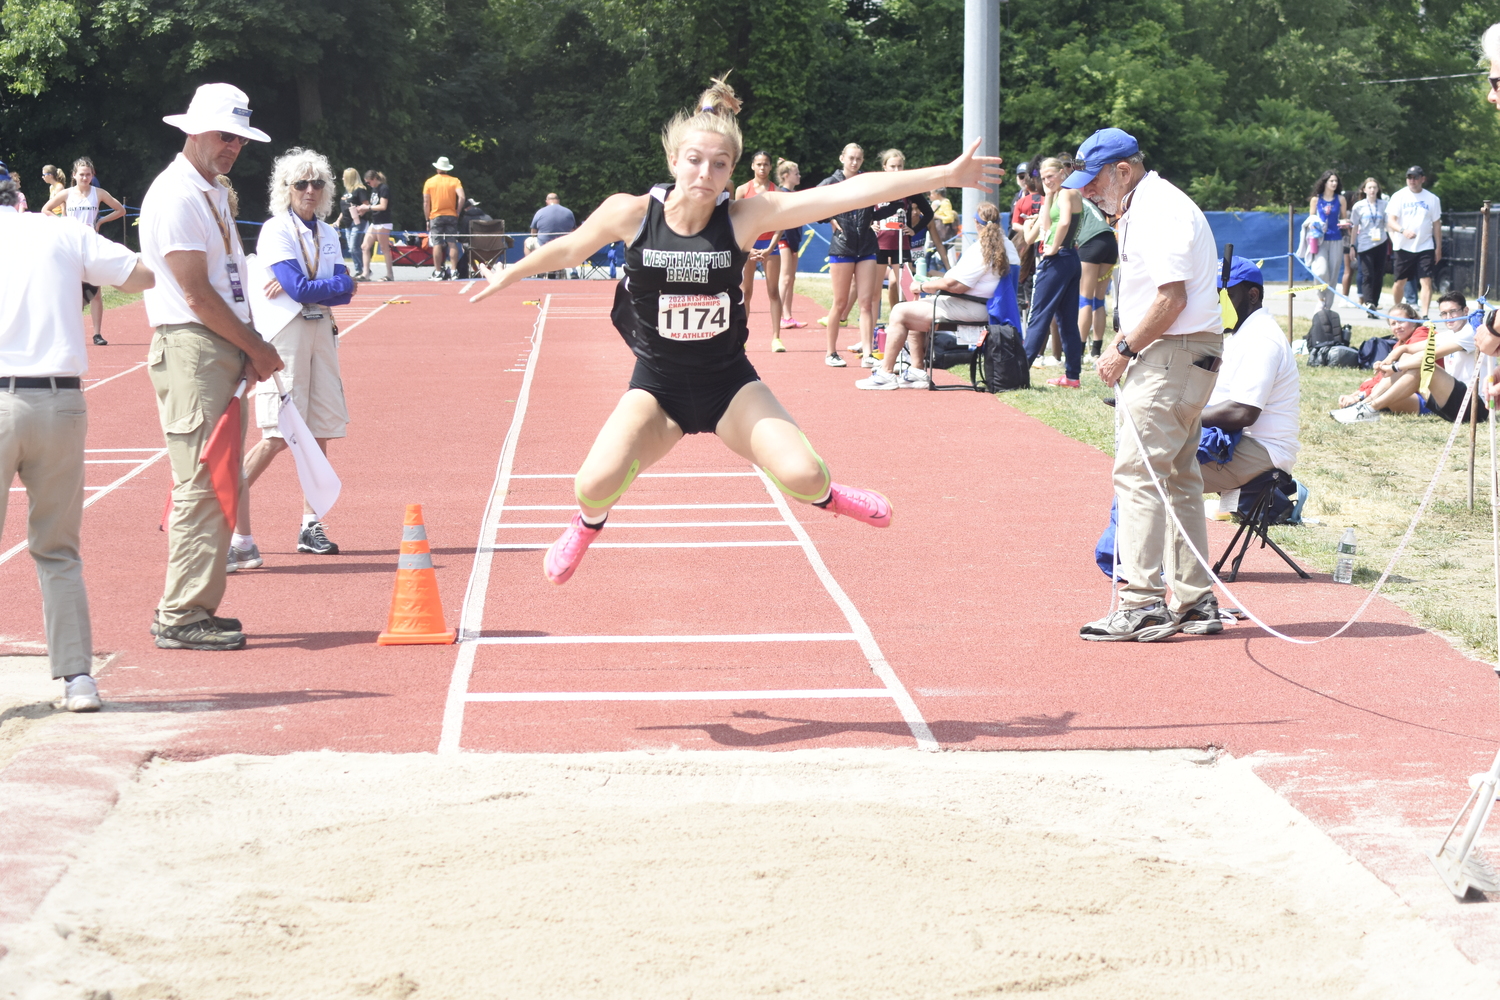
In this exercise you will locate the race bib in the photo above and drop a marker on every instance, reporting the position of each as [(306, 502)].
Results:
[(692, 317)]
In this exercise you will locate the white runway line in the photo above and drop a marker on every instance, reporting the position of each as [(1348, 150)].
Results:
[(616, 525), (920, 731), (465, 290), (750, 695), (357, 323), (472, 620), (90, 388), (647, 506), (644, 475), (584, 640), (100, 491), (538, 546)]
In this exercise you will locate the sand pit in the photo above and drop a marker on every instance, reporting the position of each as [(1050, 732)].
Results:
[(804, 874)]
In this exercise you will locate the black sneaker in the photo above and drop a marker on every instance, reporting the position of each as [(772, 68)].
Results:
[(99, 339), (1202, 618), (314, 540), (199, 635), (227, 624)]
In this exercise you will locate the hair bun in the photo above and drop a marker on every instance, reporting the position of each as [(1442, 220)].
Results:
[(720, 98)]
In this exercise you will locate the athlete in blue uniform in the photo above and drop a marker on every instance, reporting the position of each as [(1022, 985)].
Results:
[(681, 310)]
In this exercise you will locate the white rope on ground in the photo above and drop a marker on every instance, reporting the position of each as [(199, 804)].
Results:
[(1395, 557)]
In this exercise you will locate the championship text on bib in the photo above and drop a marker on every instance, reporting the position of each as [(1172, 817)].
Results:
[(692, 317)]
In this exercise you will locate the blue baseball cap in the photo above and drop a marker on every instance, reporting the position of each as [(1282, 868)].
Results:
[(1241, 272), (1106, 146)]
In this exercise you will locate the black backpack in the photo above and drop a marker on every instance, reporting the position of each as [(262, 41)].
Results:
[(1327, 331), (1001, 360), (1374, 351)]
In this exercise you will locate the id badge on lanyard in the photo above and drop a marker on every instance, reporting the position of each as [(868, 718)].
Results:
[(231, 266), (235, 287), (310, 310)]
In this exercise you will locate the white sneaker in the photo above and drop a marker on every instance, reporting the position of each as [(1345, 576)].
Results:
[(855, 347), (1048, 361), (834, 361), (1359, 413), (915, 378), (867, 361), (879, 379), (80, 695)]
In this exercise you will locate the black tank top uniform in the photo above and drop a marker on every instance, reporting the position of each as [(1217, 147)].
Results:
[(681, 310), (854, 237)]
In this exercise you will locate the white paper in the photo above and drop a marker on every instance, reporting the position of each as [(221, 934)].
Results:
[(269, 315), (320, 484)]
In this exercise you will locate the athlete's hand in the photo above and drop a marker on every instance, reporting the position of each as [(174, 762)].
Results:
[(495, 276), (973, 171)]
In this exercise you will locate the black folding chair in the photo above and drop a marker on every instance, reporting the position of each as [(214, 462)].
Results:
[(488, 242), (949, 352), (1258, 521)]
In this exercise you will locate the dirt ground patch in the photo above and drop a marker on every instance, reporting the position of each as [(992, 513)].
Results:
[(804, 874)]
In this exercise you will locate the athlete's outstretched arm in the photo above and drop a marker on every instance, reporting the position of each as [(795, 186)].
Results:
[(617, 219), (776, 210)]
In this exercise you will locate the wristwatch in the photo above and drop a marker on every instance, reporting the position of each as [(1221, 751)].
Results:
[(1123, 346)]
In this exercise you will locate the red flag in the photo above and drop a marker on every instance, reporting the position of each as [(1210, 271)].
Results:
[(222, 456)]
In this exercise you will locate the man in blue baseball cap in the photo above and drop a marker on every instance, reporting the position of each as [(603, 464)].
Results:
[(1165, 361), (1258, 392)]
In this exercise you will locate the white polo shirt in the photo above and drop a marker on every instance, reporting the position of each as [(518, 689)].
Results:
[(46, 262), (1459, 364), (184, 210), (1259, 370), (1164, 237)]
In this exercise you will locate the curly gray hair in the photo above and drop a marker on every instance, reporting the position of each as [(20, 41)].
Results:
[(299, 164)]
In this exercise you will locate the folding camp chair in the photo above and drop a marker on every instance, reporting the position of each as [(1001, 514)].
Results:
[(1258, 521), (602, 262), (945, 348), (488, 242)]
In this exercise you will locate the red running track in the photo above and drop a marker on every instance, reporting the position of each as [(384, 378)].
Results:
[(957, 625)]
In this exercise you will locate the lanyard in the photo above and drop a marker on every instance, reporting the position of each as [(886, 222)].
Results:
[(219, 219), (310, 264)]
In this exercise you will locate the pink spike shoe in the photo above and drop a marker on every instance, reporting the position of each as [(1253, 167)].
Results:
[(566, 553), (863, 505)]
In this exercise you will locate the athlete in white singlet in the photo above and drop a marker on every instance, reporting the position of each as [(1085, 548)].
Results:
[(81, 203), (681, 310)]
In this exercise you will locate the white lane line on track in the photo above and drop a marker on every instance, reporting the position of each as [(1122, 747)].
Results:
[(648, 506), (644, 475), (465, 290), (583, 640), (450, 740), (90, 388), (526, 546), (617, 525), (920, 731), (103, 491), (357, 323), (751, 695)]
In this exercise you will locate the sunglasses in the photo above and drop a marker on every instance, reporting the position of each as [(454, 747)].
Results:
[(230, 139), (1494, 84), (316, 185)]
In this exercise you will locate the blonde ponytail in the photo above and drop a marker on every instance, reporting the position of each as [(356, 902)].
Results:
[(716, 110)]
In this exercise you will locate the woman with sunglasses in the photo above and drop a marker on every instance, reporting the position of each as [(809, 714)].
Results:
[(306, 261)]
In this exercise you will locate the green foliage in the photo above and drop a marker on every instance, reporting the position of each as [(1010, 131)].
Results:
[(1243, 102)]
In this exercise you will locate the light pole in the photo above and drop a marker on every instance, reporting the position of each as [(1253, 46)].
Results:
[(981, 94)]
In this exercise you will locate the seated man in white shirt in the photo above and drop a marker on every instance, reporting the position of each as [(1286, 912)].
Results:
[(1258, 391)]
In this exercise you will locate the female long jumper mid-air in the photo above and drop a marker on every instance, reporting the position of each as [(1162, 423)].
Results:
[(681, 310)]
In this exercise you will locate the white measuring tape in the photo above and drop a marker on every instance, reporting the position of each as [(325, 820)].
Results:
[(1400, 548)]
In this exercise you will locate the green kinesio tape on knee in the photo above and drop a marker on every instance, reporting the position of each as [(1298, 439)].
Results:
[(812, 497), (596, 504)]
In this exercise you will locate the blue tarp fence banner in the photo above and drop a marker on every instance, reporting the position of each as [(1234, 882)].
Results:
[(1259, 236)]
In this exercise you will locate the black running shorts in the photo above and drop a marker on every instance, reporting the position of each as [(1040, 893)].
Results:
[(699, 402)]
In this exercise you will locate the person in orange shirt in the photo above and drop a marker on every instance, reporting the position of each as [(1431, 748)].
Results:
[(442, 197)]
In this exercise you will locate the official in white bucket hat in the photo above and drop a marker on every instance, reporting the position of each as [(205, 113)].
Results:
[(218, 107), (204, 345)]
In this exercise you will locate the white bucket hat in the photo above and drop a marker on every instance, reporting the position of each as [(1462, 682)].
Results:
[(443, 164), (218, 107)]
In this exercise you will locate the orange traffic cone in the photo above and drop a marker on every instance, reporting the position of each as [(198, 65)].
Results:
[(416, 612)]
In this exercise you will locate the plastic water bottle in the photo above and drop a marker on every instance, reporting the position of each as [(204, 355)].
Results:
[(1343, 572)]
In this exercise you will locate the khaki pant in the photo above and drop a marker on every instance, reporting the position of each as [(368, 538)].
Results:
[(1165, 393), (195, 372), (310, 352), (1250, 460), (41, 439)]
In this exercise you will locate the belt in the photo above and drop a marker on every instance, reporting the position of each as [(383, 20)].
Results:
[(54, 382)]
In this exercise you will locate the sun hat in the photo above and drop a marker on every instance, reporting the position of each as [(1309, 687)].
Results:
[(443, 164), (1106, 146), (1241, 271), (218, 107)]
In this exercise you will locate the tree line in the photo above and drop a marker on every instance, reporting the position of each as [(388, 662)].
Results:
[(1241, 102)]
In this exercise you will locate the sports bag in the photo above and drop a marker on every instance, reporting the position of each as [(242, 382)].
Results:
[(1001, 360)]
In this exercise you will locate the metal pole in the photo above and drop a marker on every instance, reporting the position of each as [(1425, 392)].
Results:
[(981, 95), (1290, 316), (1484, 258)]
